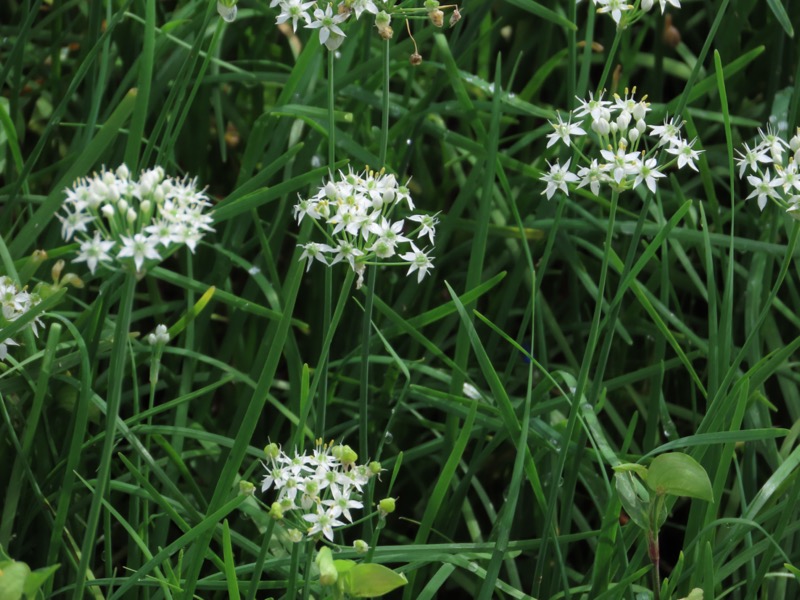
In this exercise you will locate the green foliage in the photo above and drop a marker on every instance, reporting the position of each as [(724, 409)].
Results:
[(573, 375)]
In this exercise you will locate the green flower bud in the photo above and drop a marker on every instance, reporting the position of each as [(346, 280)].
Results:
[(276, 511), (272, 451), (327, 570), (386, 506), (247, 488), (361, 546)]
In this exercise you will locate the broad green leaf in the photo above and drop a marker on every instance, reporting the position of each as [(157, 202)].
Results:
[(678, 474), (370, 580), (12, 579)]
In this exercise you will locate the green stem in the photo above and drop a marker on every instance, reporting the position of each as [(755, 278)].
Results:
[(258, 567), (331, 119), (385, 107), (363, 407), (114, 399)]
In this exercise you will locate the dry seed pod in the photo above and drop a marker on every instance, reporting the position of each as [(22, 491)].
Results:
[(455, 17), (672, 37), (415, 59), (436, 17), (386, 32)]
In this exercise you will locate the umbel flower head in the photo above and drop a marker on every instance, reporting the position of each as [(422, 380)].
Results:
[(316, 491), (770, 168), (625, 13), (612, 139), (357, 210), (135, 222), (14, 303)]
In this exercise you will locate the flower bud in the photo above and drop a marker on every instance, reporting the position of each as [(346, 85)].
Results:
[(122, 206), (386, 506), (131, 215), (436, 17), (647, 5), (623, 120), (276, 511), (633, 135), (360, 546), (641, 125), (295, 536), (431, 5), (327, 570), (246, 488), (640, 110), (145, 207), (108, 211), (601, 127), (73, 280), (272, 451), (415, 59), (794, 143), (374, 467), (55, 272), (123, 172)]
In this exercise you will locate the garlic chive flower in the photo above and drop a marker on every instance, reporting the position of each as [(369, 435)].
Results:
[(135, 222), (316, 490), (616, 146), (625, 14), (356, 213), (15, 302), (770, 168)]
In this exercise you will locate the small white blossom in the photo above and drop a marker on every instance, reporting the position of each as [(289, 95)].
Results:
[(557, 179)]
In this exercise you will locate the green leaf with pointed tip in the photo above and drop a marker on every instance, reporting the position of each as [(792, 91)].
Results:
[(36, 579), (371, 580), (678, 474), (632, 501)]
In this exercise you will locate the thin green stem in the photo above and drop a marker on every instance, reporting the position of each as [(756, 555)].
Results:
[(385, 107), (258, 567), (363, 401), (114, 399), (331, 119)]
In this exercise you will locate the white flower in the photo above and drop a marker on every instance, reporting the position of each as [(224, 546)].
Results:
[(322, 522), (74, 221), (751, 157), (620, 163), (327, 23), (668, 133), (685, 153), (557, 179), (95, 250), (663, 3), (563, 131), (418, 261), (359, 6), (592, 107), (647, 172), (140, 248), (427, 225), (615, 7), (341, 503), (294, 10), (763, 188), (592, 176), (313, 250)]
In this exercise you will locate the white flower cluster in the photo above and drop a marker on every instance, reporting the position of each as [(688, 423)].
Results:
[(15, 303), (619, 129), (131, 219), (357, 210), (325, 20), (634, 11), (782, 183), (323, 487)]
